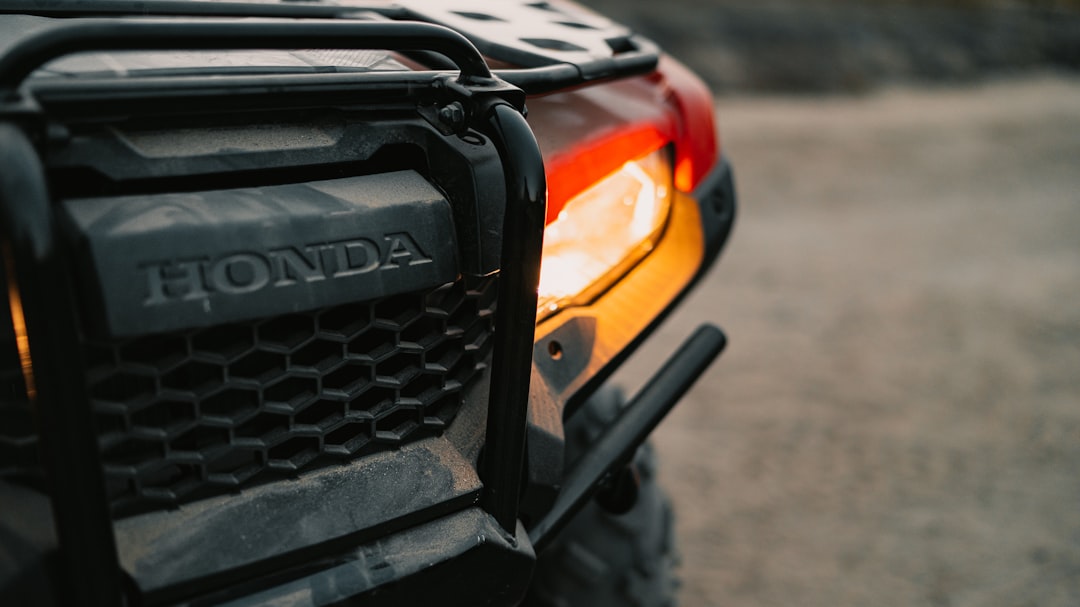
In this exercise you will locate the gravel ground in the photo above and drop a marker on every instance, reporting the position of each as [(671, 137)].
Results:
[(897, 418)]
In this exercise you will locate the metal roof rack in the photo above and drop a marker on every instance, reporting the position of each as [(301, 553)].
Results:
[(564, 46)]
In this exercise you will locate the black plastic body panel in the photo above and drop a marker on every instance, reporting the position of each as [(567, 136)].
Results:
[(292, 524), (264, 149), (717, 199), (28, 545), (461, 560), (176, 261)]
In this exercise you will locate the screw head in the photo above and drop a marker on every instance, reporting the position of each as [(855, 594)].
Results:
[(453, 115)]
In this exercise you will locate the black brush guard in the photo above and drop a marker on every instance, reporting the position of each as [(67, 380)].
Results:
[(37, 268)]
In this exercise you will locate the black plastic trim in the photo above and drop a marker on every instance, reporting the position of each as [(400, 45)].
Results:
[(470, 562), (717, 201), (293, 526)]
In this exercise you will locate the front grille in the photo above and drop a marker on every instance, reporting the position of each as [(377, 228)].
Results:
[(187, 415)]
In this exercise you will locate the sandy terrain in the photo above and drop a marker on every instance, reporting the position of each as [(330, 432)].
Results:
[(897, 418)]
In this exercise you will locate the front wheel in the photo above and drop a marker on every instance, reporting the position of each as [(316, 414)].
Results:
[(602, 559)]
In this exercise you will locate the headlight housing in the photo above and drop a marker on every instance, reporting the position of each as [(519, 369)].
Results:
[(603, 231)]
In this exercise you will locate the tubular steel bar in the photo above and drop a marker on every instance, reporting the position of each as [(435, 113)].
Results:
[(616, 447), (406, 36), (545, 79), (515, 319), (65, 422), (215, 8), (28, 54), (84, 98)]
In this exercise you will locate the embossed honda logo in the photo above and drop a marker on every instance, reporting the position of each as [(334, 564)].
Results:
[(182, 260), (243, 272)]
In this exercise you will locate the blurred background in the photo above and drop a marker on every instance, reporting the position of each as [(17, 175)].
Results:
[(896, 420), (827, 46)]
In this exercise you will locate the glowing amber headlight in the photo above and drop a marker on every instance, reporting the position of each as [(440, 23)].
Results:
[(600, 233)]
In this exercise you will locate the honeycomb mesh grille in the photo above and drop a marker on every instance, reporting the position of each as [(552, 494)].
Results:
[(187, 415)]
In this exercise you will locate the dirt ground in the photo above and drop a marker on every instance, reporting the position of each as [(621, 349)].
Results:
[(897, 418)]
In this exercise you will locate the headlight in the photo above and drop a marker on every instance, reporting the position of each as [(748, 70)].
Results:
[(603, 231)]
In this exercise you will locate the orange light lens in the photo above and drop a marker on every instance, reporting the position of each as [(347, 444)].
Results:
[(603, 230), (579, 168), (22, 340)]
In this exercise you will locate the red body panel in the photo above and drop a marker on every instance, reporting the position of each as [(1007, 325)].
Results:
[(587, 133)]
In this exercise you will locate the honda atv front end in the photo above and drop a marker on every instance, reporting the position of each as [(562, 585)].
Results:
[(308, 326)]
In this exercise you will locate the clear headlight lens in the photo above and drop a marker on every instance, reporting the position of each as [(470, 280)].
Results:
[(603, 231)]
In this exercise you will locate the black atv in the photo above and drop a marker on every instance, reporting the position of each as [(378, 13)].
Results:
[(302, 310)]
